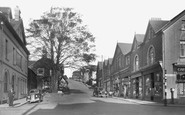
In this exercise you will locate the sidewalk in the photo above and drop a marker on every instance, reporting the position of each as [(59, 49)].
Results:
[(143, 102), (17, 103)]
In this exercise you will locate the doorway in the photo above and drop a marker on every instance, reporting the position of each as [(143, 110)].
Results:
[(152, 87)]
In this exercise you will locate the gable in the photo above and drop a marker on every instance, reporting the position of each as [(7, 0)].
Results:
[(138, 40), (18, 27)]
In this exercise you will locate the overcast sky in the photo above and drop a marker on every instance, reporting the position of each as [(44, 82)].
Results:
[(110, 21)]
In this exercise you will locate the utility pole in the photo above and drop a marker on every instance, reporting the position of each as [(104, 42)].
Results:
[(164, 71)]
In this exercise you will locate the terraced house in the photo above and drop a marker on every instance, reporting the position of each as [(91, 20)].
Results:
[(13, 55), (154, 66)]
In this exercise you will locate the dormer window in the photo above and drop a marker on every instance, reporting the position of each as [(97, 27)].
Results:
[(40, 71)]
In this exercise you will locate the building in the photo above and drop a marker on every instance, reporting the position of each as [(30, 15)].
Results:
[(43, 68), (32, 79), (14, 55), (99, 77), (77, 76), (119, 67), (154, 67)]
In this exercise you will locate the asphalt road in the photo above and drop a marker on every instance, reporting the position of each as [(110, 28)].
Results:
[(81, 102)]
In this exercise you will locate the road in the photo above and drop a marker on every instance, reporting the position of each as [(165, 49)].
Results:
[(81, 102)]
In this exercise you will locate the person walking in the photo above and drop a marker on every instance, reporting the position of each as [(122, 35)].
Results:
[(10, 97)]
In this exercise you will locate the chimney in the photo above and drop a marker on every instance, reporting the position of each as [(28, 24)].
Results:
[(17, 13)]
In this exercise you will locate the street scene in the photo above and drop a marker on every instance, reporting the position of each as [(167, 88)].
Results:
[(81, 102), (82, 57)]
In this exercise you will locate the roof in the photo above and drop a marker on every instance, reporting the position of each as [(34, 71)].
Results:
[(4, 18), (125, 47), (110, 60), (139, 38), (158, 24), (105, 62), (173, 20), (6, 11), (100, 65), (16, 25), (31, 63)]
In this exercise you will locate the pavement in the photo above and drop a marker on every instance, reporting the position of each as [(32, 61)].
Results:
[(143, 102), (16, 103)]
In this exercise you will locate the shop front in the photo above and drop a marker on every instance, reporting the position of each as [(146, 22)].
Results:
[(153, 84), (180, 83), (136, 86), (124, 87)]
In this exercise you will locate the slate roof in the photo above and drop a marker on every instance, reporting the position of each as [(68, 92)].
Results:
[(110, 60), (6, 11), (139, 38), (105, 62), (158, 24), (173, 20), (125, 47), (100, 65), (31, 63)]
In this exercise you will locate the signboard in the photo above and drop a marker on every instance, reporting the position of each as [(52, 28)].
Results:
[(180, 69)]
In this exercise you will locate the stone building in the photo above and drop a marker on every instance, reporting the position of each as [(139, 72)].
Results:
[(14, 55)]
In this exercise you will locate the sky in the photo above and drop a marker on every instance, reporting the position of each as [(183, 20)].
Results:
[(110, 21)]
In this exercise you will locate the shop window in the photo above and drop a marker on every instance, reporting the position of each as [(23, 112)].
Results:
[(147, 86), (181, 89)]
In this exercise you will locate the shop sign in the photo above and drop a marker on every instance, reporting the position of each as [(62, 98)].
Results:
[(180, 69)]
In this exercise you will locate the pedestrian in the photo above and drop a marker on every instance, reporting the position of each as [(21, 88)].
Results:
[(10, 97)]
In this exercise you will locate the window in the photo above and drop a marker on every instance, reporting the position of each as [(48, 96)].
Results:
[(6, 82), (151, 55), (6, 50), (119, 62), (182, 40), (13, 82), (19, 60), (40, 71), (136, 63), (14, 56), (127, 60), (182, 48)]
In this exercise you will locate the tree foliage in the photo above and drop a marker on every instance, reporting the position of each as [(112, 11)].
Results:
[(63, 35)]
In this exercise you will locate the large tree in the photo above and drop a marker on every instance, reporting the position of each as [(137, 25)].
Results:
[(66, 39)]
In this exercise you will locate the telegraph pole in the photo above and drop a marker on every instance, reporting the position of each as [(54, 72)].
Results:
[(164, 72)]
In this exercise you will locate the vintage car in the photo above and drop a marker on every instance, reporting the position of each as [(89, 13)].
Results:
[(35, 95)]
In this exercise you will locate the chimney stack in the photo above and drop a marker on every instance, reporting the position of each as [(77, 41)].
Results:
[(17, 13)]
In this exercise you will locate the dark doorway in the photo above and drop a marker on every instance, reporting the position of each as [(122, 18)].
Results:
[(137, 87), (152, 86)]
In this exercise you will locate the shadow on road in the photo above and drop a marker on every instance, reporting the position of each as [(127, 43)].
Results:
[(103, 108), (25, 113)]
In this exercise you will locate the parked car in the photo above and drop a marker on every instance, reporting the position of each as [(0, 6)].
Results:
[(103, 93), (34, 95)]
